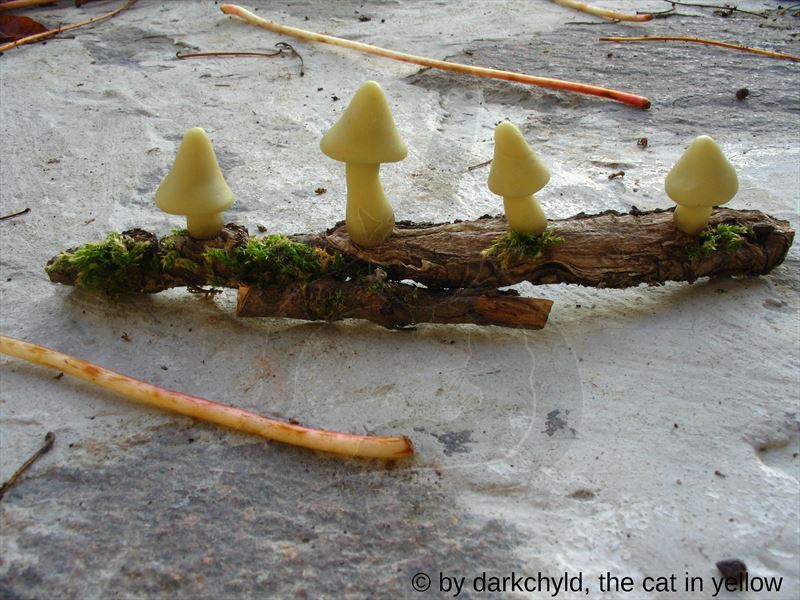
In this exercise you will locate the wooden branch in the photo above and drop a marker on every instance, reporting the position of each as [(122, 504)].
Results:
[(610, 249), (453, 279), (392, 304)]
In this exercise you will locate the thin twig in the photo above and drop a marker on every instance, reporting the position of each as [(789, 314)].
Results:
[(728, 7), (310, 36), (768, 53), (290, 48), (14, 4), (361, 446), (49, 439), (613, 22), (181, 54), (479, 165), (281, 47), (603, 12), (24, 211), (53, 32)]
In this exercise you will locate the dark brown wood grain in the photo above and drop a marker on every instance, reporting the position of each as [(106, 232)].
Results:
[(439, 273), (394, 305), (612, 249)]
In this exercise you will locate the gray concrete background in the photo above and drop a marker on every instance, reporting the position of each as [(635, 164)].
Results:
[(644, 432)]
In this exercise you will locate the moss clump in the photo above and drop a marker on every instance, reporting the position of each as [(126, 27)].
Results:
[(515, 247), (408, 294), (273, 259), (727, 237), (117, 265), (171, 258), (327, 306)]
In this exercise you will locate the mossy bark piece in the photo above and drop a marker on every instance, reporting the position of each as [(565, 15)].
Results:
[(391, 304), (610, 249)]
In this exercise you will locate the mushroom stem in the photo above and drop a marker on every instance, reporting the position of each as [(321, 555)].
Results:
[(525, 215), (691, 220), (205, 227), (369, 217)]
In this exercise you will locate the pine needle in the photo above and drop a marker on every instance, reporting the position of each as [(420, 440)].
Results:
[(603, 12), (310, 36), (54, 32), (768, 53)]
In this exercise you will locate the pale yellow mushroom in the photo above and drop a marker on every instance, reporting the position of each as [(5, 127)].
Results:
[(701, 179), (364, 137), (195, 187), (517, 174)]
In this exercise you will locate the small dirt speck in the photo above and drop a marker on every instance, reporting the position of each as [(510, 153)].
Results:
[(455, 442), (732, 567), (582, 494)]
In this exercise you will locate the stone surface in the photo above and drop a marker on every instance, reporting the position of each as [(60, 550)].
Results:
[(644, 432)]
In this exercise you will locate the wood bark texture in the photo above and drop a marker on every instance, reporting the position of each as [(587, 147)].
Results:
[(610, 249), (454, 281)]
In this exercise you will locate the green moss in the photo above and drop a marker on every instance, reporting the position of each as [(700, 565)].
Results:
[(514, 247), (171, 257), (273, 259), (727, 237), (402, 291), (117, 265), (218, 255), (408, 293), (327, 306)]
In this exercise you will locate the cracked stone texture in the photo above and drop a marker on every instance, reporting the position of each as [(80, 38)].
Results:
[(644, 432)]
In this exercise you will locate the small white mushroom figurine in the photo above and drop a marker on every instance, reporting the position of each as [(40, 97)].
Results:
[(517, 174), (364, 137), (701, 179), (195, 187)]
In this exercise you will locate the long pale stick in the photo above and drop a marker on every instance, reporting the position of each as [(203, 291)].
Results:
[(654, 38), (361, 446), (558, 84), (54, 32), (602, 12)]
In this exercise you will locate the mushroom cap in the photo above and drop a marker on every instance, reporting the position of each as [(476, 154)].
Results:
[(365, 133), (194, 184), (516, 170), (702, 176)]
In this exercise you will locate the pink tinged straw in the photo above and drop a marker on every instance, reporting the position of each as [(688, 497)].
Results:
[(558, 84), (345, 444)]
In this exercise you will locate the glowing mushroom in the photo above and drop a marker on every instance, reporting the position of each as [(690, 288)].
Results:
[(517, 174), (701, 179), (364, 137), (195, 187)]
